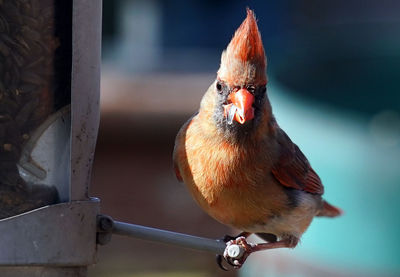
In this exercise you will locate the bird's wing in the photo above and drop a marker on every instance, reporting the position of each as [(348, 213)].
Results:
[(179, 141), (179, 154), (293, 169), (177, 173)]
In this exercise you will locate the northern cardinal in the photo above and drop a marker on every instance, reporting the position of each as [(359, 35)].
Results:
[(238, 164)]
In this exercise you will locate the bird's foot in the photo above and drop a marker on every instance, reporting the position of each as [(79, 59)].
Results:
[(228, 239), (237, 251)]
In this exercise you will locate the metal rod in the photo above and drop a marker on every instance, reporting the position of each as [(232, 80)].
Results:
[(179, 239)]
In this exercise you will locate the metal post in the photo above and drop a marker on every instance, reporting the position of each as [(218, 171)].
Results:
[(107, 226), (85, 92), (56, 240), (178, 239)]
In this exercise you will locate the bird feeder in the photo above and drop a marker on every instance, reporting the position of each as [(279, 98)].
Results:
[(49, 116)]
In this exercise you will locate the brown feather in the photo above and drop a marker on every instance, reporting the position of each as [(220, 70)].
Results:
[(293, 169), (228, 181), (177, 173), (329, 210), (244, 58)]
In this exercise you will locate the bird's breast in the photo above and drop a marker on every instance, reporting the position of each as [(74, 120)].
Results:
[(231, 182)]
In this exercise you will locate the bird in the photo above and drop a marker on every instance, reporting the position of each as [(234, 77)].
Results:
[(238, 164)]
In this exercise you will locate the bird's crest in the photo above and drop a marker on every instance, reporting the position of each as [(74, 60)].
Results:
[(244, 60)]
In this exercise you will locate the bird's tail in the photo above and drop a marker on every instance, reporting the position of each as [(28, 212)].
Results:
[(329, 210)]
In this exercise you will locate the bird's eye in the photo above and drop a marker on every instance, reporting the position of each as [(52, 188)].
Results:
[(219, 87), (251, 88)]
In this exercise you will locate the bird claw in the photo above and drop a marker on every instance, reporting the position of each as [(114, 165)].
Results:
[(236, 252), (242, 250)]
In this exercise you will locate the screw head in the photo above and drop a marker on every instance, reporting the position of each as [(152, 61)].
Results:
[(234, 251)]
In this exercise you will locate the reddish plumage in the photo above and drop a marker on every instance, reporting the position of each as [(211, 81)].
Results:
[(247, 173), (244, 58), (293, 169)]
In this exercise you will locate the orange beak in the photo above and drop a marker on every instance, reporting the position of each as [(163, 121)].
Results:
[(241, 109)]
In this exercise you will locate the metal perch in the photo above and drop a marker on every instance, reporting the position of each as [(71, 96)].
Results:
[(107, 226)]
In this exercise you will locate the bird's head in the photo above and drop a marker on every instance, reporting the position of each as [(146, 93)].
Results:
[(240, 88)]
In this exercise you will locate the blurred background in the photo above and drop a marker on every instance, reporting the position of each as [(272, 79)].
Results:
[(334, 85)]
